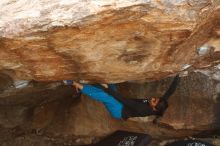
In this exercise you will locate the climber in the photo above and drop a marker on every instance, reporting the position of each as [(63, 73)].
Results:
[(124, 108)]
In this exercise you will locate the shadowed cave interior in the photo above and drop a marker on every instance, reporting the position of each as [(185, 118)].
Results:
[(51, 113)]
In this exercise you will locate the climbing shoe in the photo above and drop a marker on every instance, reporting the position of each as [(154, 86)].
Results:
[(68, 82)]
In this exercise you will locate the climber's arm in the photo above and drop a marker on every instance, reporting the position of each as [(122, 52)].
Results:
[(172, 88)]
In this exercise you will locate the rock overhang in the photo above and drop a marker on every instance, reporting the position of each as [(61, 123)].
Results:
[(107, 41)]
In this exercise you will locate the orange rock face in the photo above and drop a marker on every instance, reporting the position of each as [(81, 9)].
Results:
[(110, 42)]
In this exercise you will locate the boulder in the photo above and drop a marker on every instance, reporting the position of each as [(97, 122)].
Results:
[(110, 41)]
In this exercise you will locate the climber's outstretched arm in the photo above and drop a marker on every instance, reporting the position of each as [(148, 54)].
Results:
[(172, 88)]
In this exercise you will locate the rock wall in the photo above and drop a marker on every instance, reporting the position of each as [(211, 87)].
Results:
[(193, 106), (110, 41), (49, 110), (106, 42)]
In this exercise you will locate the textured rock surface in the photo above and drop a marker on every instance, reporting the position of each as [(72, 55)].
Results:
[(106, 41), (193, 106), (47, 110)]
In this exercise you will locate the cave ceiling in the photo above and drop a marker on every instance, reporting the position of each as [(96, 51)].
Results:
[(107, 41)]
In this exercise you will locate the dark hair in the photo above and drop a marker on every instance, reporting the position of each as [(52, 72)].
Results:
[(161, 107)]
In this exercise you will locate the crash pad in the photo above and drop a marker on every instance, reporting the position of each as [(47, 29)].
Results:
[(189, 143), (125, 138)]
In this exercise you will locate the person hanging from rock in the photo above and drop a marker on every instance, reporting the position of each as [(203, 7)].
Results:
[(123, 108)]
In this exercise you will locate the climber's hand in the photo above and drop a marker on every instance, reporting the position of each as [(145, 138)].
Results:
[(105, 85), (78, 86)]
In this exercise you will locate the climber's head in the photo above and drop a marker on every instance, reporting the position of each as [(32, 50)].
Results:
[(158, 105), (153, 101)]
